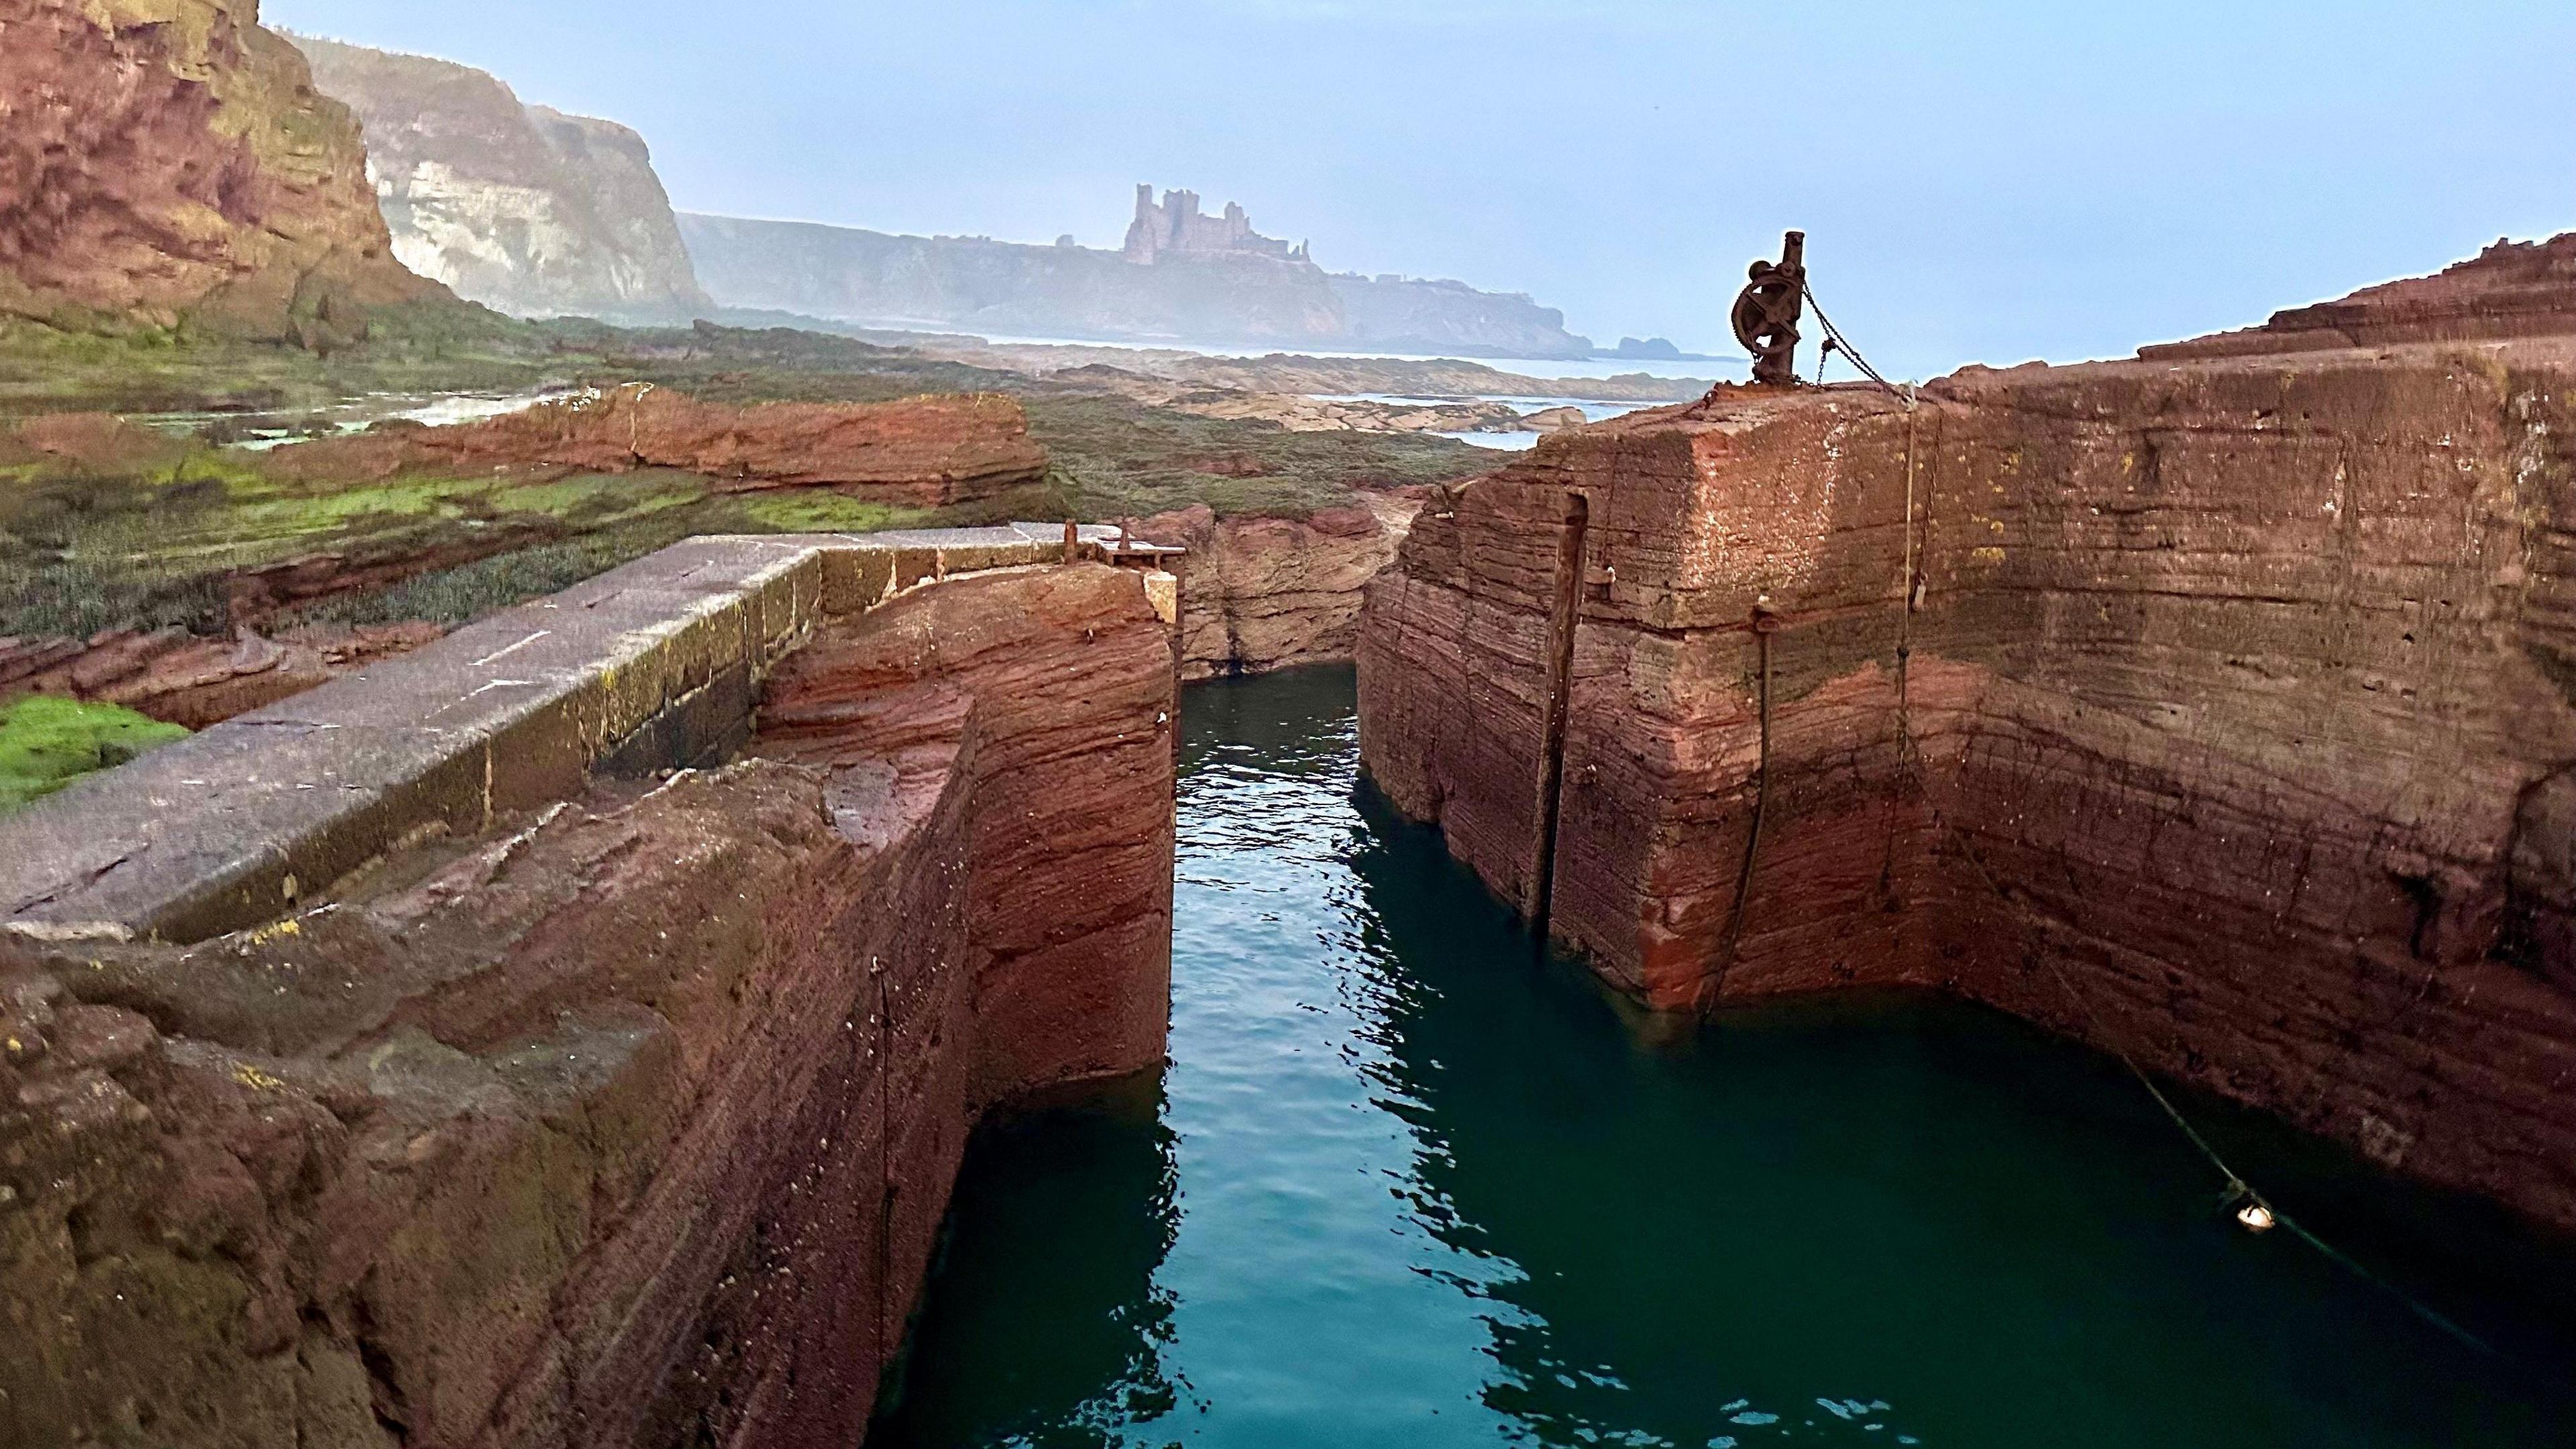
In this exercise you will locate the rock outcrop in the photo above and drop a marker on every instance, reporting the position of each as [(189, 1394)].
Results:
[(519, 207), (600, 1105), (186, 679), (2512, 289), (168, 161), (1297, 412), (925, 451), (1272, 593), (2241, 704)]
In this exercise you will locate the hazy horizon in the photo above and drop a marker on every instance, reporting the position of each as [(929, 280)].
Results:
[(2023, 183)]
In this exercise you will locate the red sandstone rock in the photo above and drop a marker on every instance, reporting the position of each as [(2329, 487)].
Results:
[(90, 442), (173, 675), (2512, 289), (1268, 593), (169, 159), (2250, 683), (630, 1125), (925, 451)]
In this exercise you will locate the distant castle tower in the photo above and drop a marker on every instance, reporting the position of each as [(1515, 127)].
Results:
[(1178, 227)]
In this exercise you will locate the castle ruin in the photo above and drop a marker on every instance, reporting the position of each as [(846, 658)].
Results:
[(1178, 227)]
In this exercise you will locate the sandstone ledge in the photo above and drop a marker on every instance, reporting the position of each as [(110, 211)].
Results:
[(927, 452), (1273, 593)]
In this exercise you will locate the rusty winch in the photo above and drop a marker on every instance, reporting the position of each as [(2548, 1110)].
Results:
[(1767, 312)]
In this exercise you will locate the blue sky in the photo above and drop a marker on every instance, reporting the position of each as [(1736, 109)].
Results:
[(1979, 182)]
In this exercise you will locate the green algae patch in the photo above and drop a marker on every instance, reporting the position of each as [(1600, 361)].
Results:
[(820, 510), (46, 743)]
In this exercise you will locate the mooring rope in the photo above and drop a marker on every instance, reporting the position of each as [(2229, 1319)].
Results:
[(1764, 625), (2238, 1191)]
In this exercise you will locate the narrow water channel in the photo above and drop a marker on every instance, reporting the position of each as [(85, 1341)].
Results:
[(1405, 1183)]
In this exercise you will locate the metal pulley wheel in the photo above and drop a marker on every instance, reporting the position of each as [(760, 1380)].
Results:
[(1767, 306)]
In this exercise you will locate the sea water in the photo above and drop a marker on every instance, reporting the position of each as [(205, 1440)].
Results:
[(1407, 1181)]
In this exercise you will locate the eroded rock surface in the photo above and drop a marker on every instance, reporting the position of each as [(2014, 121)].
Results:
[(924, 451), (2512, 289), (168, 160), (630, 1121), (1269, 593), (515, 206), (186, 679), (2243, 695)]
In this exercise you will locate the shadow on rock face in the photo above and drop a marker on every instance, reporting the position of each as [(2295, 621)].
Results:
[(1084, 1192)]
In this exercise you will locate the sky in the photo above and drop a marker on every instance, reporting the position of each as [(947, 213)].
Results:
[(1978, 182)]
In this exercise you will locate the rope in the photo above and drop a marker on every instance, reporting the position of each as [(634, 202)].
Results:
[(1716, 983), (2238, 1190), (1913, 579)]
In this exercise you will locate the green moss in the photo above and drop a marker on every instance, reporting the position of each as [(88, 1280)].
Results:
[(46, 743), (593, 499), (820, 510)]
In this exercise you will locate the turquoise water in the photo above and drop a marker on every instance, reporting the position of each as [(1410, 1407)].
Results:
[(1405, 1183)]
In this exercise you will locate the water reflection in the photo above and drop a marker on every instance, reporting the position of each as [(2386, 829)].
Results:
[(1412, 1185), (1059, 1337)]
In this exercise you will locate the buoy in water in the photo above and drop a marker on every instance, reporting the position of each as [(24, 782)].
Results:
[(2256, 1217)]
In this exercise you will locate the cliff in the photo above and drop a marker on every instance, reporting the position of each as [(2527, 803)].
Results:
[(1183, 276), (2236, 730), (1003, 287), (168, 162), (1407, 314), (521, 208), (595, 1104)]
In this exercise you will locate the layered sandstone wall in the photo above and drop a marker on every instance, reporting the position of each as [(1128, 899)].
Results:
[(2244, 685), (168, 161), (1272, 593), (424, 1062)]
